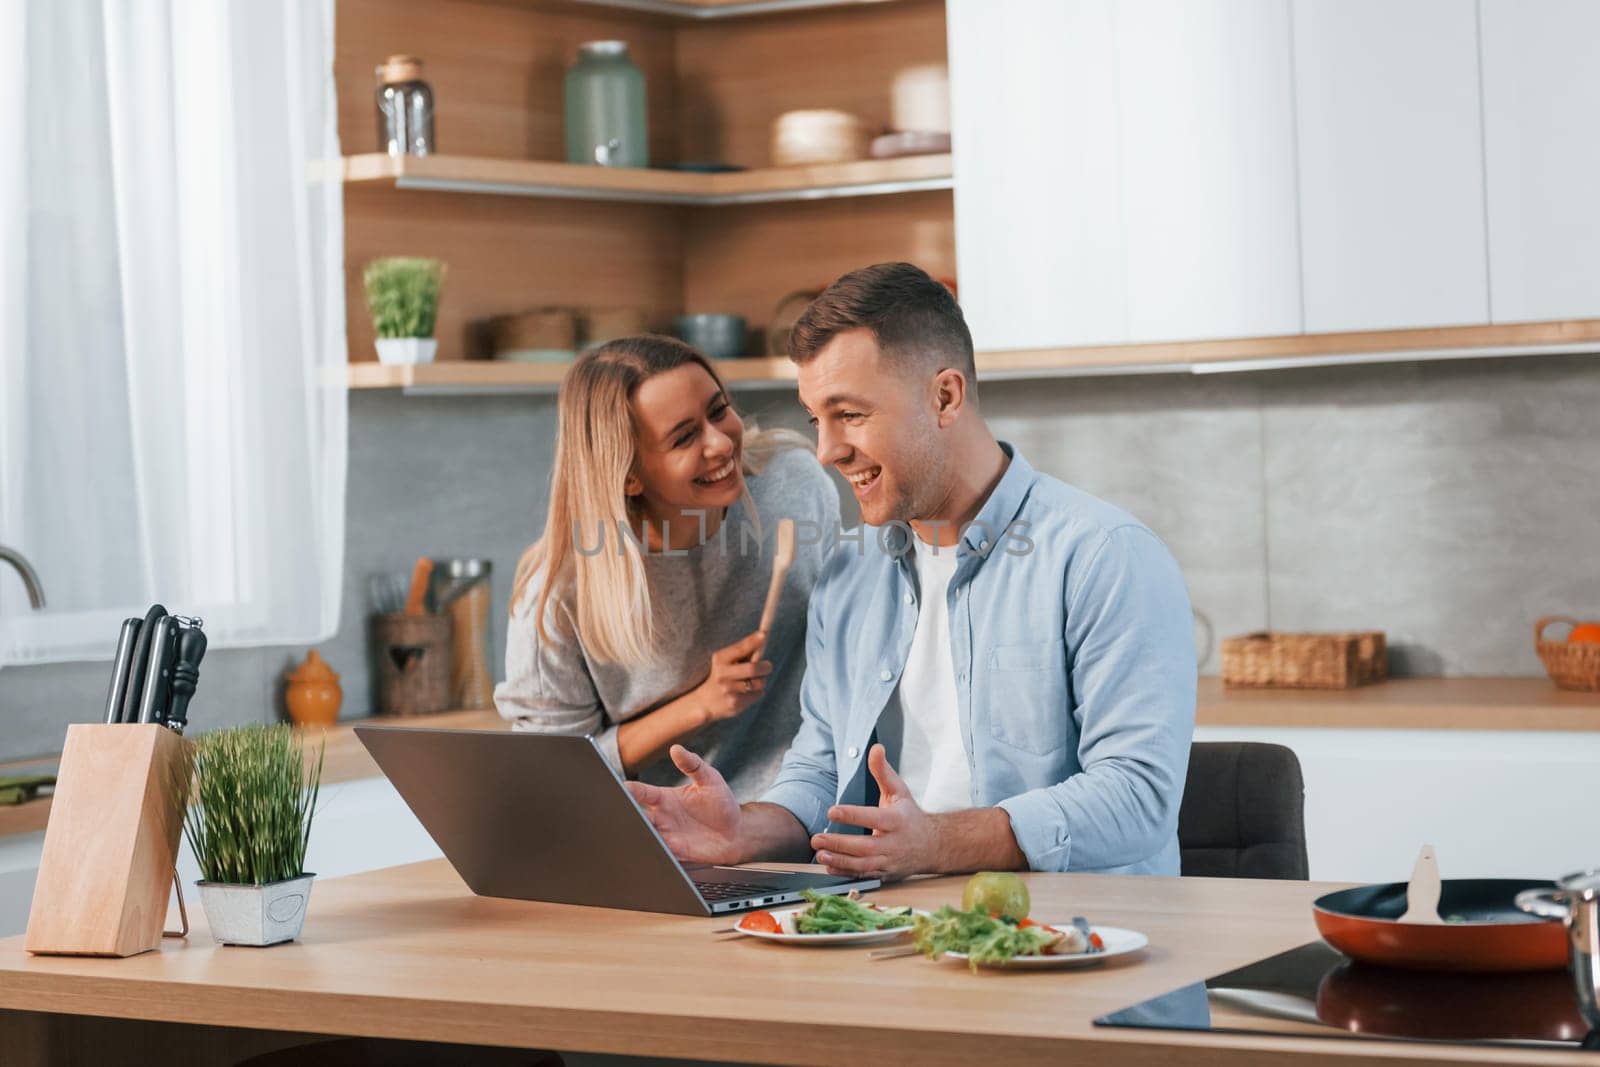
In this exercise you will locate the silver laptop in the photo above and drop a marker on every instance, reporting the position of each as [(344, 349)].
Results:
[(538, 817)]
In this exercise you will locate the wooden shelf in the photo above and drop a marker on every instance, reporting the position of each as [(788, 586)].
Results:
[(1512, 704), (467, 376), (518, 177)]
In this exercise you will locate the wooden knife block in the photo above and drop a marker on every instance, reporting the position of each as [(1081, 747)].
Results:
[(112, 842)]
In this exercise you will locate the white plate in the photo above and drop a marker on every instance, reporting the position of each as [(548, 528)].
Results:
[(786, 916), (1118, 942)]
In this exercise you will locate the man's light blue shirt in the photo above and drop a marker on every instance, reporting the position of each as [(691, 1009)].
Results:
[(1072, 643)]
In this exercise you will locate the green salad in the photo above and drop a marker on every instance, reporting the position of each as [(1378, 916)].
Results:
[(846, 915), (981, 937)]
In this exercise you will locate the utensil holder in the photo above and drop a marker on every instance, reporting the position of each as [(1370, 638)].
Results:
[(111, 845), (413, 653)]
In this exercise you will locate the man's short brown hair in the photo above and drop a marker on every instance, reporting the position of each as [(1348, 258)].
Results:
[(914, 319)]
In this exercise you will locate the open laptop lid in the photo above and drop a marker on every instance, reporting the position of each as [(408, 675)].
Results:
[(532, 817)]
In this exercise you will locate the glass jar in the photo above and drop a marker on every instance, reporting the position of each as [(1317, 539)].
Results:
[(405, 108), (605, 108)]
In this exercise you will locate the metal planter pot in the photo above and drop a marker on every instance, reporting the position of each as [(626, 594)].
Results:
[(256, 914)]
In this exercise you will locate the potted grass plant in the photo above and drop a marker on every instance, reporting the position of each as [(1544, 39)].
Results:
[(403, 298), (248, 824)]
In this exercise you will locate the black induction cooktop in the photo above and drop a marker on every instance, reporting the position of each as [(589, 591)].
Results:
[(1313, 991)]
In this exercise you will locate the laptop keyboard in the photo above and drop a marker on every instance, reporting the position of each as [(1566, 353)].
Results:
[(714, 891)]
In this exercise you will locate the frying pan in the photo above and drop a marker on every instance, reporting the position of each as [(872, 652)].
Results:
[(1484, 930)]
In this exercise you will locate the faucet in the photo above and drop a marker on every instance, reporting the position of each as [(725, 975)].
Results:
[(30, 577)]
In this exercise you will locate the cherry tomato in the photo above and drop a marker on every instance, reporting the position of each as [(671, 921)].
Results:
[(760, 922), (1094, 939)]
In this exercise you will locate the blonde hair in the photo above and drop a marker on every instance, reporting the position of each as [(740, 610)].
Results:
[(595, 451)]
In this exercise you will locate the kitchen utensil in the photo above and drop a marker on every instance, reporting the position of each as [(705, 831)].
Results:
[(121, 667), (718, 336), (1422, 892), (894, 953), (416, 598), (782, 560), (158, 671), (1483, 929), (1117, 942), (606, 115), (801, 138), (909, 143), (467, 602), (919, 99), (185, 675), (1570, 664), (783, 318), (1576, 903), (1081, 924), (387, 592), (405, 108), (1305, 661), (138, 664), (313, 695)]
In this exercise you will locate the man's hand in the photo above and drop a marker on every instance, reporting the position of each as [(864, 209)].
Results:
[(904, 838), (699, 821)]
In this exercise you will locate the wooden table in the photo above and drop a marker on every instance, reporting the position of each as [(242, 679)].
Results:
[(410, 953)]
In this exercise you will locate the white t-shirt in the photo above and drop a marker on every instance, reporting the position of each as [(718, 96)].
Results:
[(921, 726)]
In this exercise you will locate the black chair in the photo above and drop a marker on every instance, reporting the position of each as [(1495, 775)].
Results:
[(1244, 813)]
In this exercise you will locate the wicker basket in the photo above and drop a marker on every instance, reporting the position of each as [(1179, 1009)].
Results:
[(1304, 661), (1571, 665)]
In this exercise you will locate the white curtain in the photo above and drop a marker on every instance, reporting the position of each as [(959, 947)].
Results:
[(172, 340)]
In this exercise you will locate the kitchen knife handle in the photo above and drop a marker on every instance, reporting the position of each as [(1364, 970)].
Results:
[(158, 671), (185, 675), (138, 662), (120, 668)]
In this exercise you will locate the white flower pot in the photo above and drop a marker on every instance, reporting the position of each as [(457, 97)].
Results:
[(256, 914), (397, 351)]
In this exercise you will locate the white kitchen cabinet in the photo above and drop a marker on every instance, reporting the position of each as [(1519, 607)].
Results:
[(1038, 198), (1206, 105), (1494, 804), (1541, 93), (1388, 123)]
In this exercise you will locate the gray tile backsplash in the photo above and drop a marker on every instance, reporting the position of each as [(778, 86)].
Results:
[(1449, 503)]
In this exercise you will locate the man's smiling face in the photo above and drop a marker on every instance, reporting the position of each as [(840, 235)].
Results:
[(875, 424)]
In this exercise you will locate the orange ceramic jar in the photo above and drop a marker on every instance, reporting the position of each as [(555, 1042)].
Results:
[(313, 695)]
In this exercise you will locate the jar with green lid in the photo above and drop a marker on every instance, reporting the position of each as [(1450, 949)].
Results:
[(605, 108)]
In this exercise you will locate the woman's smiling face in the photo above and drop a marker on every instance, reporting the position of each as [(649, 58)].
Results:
[(689, 445)]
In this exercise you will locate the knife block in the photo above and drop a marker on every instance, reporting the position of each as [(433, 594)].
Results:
[(111, 844)]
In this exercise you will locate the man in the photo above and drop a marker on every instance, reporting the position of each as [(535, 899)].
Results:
[(1021, 650)]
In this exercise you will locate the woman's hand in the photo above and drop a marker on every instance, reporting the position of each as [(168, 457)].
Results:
[(737, 678)]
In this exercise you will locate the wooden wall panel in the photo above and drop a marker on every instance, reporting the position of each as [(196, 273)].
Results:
[(507, 253), (743, 260), (737, 75), (496, 70)]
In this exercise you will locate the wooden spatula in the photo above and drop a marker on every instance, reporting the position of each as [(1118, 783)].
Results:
[(1422, 892), (416, 600), (782, 559)]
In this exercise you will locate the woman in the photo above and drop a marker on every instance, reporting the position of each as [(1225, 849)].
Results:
[(634, 617)]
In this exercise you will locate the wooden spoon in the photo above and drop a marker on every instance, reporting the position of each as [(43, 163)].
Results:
[(782, 559), (416, 601), (1422, 892)]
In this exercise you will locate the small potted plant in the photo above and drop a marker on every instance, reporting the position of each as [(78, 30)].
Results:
[(403, 297), (248, 824)]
